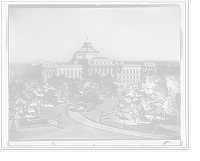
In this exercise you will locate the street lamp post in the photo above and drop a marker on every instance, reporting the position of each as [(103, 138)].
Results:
[(154, 131), (59, 120)]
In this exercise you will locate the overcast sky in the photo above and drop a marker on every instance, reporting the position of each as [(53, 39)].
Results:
[(54, 34)]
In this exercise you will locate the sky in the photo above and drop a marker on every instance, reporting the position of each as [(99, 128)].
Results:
[(134, 34)]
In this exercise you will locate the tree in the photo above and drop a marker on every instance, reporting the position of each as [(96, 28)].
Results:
[(22, 101), (39, 88), (107, 78), (52, 84), (173, 83), (49, 99), (136, 95), (88, 101), (149, 80), (129, 111), (110, 87), (94, 84)]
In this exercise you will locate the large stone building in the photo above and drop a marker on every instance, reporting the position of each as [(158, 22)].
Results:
[(88, 61)]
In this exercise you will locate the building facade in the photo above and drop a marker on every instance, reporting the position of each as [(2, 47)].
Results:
[(88, 61)]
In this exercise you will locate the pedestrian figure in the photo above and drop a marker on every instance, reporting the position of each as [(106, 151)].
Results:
[(58, 119), (101, 116)]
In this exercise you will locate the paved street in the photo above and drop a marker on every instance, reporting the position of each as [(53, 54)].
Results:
[(72, 130)]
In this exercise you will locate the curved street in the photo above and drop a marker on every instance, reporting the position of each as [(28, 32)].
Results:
[(82, 126)]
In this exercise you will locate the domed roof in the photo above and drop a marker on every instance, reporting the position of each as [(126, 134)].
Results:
[(87, 48), (87, 40)]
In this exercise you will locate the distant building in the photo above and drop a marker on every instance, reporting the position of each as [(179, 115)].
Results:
[(88, 61)]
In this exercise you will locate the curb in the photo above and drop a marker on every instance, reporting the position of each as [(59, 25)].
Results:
[(131, 129)]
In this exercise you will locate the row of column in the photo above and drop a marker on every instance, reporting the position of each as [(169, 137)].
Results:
[(103, 69), (49, 72)]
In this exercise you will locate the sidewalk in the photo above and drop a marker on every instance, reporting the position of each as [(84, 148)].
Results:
[(82, 120)]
